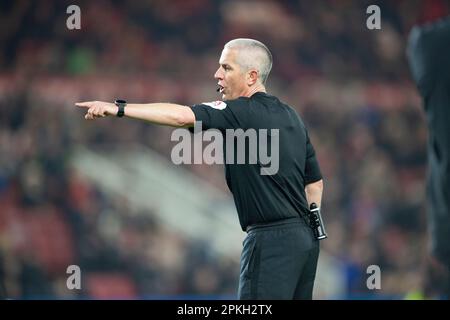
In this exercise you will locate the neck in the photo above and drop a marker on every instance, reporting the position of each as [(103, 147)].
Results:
[(257, 88)]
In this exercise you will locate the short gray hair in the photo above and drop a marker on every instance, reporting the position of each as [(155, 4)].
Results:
[(255, 55)]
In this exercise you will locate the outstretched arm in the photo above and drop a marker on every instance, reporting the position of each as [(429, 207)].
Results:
[(314, 192), (168, 114)]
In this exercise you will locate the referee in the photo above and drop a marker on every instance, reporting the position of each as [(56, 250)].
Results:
[(280, 253), (429, 59)]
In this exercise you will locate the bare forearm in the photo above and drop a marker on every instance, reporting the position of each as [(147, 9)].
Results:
[(169, 114), (314, 192)]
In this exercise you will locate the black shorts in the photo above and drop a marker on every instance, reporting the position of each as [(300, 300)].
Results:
[(279, 261)]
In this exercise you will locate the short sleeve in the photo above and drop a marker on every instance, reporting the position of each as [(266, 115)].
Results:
[(221, 115), (312, 169)]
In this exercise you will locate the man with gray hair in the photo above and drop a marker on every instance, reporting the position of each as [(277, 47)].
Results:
[(280, 253), (252, 54)]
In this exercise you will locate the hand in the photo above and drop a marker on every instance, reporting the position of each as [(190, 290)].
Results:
[(98, 109)]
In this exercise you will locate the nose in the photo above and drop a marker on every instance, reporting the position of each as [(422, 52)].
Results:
[(218, 75)]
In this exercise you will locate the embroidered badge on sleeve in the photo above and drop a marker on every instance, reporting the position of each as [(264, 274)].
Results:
[(220, 105)]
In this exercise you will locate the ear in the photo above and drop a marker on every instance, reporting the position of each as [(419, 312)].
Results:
[(252, 77)]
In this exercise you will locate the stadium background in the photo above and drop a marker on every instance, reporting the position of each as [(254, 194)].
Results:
[(104, 195)]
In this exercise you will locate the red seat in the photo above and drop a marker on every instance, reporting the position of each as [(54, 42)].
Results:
[(110, 286), (50, 239)]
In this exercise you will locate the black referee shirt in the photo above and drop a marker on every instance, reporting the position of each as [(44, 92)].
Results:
[(265, 198)]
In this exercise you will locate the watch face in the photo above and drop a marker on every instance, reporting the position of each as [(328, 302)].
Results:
[(120, 101)]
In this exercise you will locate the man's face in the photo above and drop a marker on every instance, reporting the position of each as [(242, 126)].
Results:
[(231, 78)]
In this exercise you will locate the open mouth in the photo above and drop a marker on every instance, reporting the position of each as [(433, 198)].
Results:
[(220, 89)]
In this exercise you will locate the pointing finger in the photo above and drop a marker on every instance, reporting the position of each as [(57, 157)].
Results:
[(87, 104)]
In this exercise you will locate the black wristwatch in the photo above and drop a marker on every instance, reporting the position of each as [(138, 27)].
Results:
[(121, 104)]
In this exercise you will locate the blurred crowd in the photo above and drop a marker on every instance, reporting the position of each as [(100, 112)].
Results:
[(351, 85)]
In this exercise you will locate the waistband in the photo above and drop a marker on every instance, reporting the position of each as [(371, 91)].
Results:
[(273, 224)]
